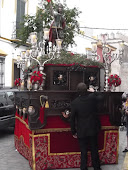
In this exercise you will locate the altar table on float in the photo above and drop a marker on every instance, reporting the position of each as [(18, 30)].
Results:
[(54, 147)]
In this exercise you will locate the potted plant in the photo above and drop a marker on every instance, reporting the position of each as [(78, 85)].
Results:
[(36, 79)]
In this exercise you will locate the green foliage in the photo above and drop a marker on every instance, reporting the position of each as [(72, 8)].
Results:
[(43, 19), (72, 26), (69, 58)]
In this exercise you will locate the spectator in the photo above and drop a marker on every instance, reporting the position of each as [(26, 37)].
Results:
[(125, 109)]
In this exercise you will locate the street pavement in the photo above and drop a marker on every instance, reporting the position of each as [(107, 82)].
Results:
[(10, 159)]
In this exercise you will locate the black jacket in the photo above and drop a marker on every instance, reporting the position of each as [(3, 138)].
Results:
[(84, 120)]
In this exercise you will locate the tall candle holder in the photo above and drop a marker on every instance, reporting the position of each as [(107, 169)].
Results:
[(108, 57)]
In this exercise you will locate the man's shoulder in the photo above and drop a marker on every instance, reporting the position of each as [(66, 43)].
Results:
[(97, 96), (91, 95), (75, 100)]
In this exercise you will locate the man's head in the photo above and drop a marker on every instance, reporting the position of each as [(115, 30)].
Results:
[(60, 8), (81, 88)]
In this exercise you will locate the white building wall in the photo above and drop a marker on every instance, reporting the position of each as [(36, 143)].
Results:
[(8, 15), (32, 7), (124, 77), (7, 19), (7, 47)]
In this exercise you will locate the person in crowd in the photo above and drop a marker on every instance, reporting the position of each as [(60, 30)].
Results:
[(125, 109), (85, 124)]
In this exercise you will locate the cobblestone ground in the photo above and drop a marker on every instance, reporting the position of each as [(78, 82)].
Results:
[(10, 159)]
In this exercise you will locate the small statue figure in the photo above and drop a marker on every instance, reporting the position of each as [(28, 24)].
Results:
[(93, 83), (60, 79)]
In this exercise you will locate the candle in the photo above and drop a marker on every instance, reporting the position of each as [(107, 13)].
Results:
[(22, 85), (23, 54), (46, 34), (18, 57), (94, 47), (29, 84), (58, 42), (33, 37)]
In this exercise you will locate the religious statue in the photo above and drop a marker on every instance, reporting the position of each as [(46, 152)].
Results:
[(56, 30)]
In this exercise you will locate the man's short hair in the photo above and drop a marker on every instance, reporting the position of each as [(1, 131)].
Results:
[(81, 88)]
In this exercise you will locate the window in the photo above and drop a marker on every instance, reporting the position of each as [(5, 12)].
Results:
[(3, 100), (2, 71), (10, 97), (20, 12)]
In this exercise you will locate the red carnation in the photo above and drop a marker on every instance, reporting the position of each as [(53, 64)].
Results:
[(36, 77), (17, 82), (114, 80)]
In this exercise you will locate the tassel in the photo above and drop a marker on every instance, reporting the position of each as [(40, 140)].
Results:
[(46, 104)]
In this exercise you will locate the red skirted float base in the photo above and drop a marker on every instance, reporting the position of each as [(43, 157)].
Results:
[(53, 147)]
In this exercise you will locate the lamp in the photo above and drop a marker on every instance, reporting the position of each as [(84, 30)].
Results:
[(94, 47), (94, 56), (46, 34), (18, 58)]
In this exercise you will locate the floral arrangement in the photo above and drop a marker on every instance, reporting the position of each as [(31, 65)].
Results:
[(17, 82), (114, 80), (36, 77)]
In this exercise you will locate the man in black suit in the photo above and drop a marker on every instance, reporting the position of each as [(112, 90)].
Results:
[(85, 125)]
